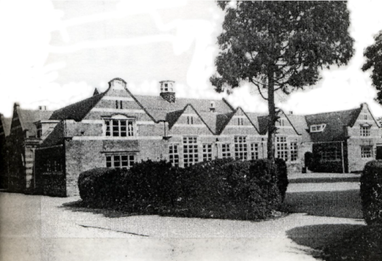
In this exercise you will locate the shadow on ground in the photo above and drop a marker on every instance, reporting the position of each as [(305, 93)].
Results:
[(319, 236), (343, 204), (80, 206), (325, 180)]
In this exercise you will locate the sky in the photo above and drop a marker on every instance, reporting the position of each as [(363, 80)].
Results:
[(56, 52)]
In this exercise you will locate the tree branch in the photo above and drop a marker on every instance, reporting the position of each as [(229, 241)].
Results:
[(258, 88)]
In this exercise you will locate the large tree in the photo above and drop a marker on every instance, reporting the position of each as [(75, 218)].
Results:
[(373, 55), (280, 46)]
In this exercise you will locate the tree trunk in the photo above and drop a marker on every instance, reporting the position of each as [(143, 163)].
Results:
[(271, 117)]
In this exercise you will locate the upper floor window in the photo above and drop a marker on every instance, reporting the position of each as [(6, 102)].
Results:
[(120, 127), (190, 120), (280, 122), (118, 104), (317, 128), (365, 130), (240, 121), (366, 151)]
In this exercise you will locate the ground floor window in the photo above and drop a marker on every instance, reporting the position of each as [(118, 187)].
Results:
[(331, 154), (366, 152), (282, 148), (190, 151), (207, 152), (241, 147), (254, 151), (293, 151), (173, 154), (226, 151), (121, 161)]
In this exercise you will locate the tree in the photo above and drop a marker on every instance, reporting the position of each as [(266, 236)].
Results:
[(373, 55), (280, 46)]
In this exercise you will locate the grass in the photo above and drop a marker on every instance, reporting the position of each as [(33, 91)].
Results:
[(362, 244)]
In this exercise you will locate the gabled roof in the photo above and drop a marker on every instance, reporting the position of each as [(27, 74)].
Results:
[(78, 110), (336, 123), (222, 120), (297, 123), (158, 108), (55, 137), (6, 124), (29, 117)]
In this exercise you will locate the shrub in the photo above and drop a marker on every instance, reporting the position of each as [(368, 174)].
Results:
[(282, 177), (371, 192)]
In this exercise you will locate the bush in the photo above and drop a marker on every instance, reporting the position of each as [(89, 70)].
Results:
[(221, 188), (371, 192)]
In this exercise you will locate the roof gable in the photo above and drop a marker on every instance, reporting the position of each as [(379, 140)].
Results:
[(5, 125), (225, 120)]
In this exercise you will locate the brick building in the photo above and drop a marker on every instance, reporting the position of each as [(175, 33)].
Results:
[(117, 128)]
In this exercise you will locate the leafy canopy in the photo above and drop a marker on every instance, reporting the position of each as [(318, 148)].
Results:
[(283, 42), (373, 55)]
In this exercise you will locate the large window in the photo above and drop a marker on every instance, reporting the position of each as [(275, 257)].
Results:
[(190, 151), (282, 148), (207, 152), (366, 152), (293, 151), (254, 151), (365, 131), (122, 161), (119, 127), (173, 154), (241, 147), (226, 151), (331, 154)]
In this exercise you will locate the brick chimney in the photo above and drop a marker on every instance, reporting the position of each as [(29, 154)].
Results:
[(167, 90)]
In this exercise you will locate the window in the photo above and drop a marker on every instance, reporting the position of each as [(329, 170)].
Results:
[(331, 154), (240, 148), (240, 121), (118, 105), (293, 151), (365, 131), (190, 151), (190, 120), (282, 148), (119, 127), (123, 161), (207, 152), (254, 151), (317, 128), (173, 154), (365, 117), (226, 151), (280, 122), (366, 152)]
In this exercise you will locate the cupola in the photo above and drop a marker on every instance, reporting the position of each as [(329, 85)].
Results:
[(167, 90)]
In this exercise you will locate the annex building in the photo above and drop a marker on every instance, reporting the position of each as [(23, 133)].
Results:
[(45, 151)]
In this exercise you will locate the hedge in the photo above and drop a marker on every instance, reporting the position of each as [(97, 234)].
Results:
[(221, 188), (371, 192)]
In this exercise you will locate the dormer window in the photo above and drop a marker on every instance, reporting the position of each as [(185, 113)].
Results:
[(317, 128)]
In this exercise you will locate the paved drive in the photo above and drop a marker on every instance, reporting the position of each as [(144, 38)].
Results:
[(40, 228)]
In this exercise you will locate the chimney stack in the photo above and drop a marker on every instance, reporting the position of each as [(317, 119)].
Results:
[(167, 90)]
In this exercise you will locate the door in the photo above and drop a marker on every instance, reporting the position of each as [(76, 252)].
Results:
[(379, 152)]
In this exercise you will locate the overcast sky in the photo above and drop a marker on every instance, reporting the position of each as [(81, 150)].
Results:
[(56, 52)]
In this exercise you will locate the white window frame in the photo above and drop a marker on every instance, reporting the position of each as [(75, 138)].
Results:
[(365, 130), (282, 148), (173, 154), (207, 152), (366, 151), (241, 148), (255, 151), (120, 160), (190, 151), (119, 127), (226, 150), (317, 127)]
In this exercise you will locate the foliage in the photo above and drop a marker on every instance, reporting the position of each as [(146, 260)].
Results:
[(371, 192), (280, 46), (221, 188), (374, 63)]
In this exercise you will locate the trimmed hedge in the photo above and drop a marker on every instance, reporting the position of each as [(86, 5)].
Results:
[(221, 188), (371, 192)]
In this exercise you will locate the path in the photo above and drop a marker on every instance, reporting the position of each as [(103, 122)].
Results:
[(40, 228)]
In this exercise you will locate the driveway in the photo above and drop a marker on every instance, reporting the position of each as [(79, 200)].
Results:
[(46, 228)]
